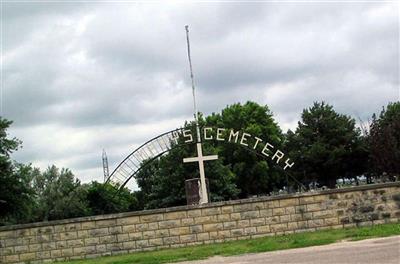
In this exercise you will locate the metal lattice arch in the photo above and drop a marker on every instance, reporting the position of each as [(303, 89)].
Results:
[(151, 150), (143, 155)]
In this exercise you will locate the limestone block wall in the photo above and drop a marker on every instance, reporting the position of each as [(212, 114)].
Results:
[(103, 235)]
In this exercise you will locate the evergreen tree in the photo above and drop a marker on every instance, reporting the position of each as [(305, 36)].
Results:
[(326, 146), (384, 141)]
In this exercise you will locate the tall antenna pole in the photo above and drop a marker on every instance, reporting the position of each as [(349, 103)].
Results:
[(196, 115), (105, 166)]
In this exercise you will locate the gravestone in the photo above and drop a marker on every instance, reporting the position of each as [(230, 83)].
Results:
[(193, 191)]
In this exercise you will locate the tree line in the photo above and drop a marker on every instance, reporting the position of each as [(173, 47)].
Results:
[(326, 146)]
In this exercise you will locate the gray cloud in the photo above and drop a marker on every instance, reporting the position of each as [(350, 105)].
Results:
[(79, 77)]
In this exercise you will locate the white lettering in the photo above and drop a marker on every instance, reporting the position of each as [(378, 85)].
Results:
[(219, 134), (232, 134), (205, 133), (244, 139), (266, 147), (279, 154), (188, 134), (257, 141), (175, 136), (287, 164)]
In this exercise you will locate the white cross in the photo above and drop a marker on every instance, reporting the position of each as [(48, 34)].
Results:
[(200, 159)]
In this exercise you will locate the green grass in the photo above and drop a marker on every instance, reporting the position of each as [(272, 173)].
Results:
[(249, 246)]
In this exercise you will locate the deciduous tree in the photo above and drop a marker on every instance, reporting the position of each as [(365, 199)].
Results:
[(104, 199), (16, 193), (59, 194), (255, 175), (237, 173)]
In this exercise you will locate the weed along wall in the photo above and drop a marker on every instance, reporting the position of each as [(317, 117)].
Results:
[(193, 225)]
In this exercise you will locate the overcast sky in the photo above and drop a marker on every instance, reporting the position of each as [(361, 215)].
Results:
[(80, 77)]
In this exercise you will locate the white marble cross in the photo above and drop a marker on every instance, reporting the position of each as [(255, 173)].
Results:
[(200, 159)]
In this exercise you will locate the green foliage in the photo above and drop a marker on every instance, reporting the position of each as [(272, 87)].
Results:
[(28, 195), (104, 199), (254, 175), (326, 145), (162, 182), (15, 189), (237, 173), (7, 145), (59, 194), (384, 140)]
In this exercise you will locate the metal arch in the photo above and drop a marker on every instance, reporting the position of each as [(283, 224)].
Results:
[(147, 162), (133, 163), (145, 153)]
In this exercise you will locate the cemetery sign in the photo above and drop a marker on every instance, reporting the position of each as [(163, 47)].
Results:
[(154, 148)]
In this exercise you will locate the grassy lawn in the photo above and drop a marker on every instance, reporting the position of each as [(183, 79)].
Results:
[(250, 246)]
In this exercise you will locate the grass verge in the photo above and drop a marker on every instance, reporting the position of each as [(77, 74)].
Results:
[(264, 244)]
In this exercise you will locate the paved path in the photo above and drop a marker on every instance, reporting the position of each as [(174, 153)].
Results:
[(369, 251)]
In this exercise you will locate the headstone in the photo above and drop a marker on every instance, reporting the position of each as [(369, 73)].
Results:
[(193, 191)]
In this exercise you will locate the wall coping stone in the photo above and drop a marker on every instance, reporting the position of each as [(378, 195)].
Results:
[(210, 205)]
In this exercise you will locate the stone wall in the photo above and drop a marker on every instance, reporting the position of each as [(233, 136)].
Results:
[(96, 236)]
